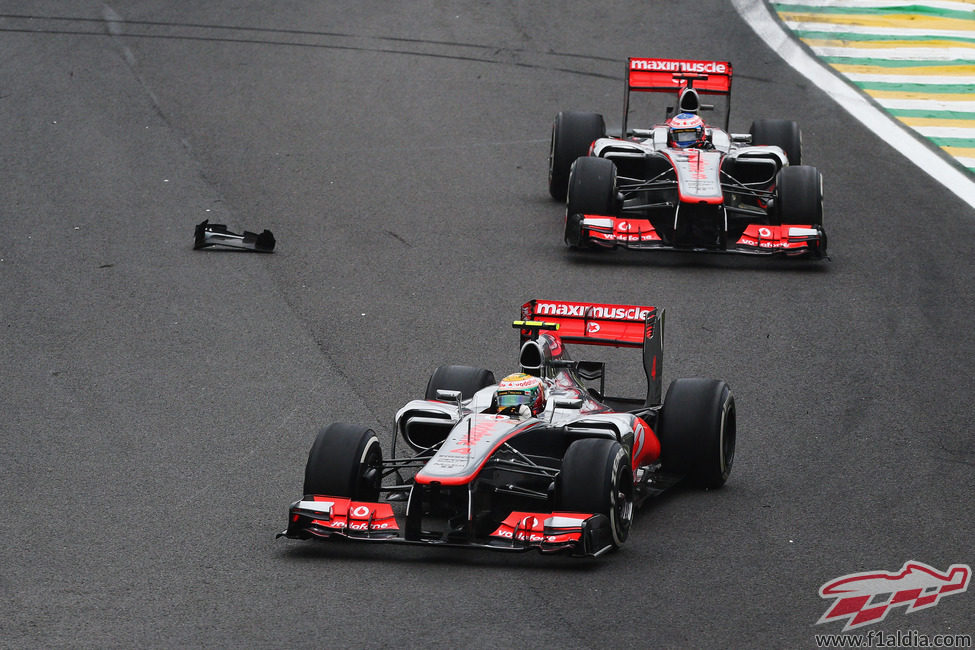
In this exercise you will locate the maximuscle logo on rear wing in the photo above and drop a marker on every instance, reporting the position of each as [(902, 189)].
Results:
[(672, 74), (587, 323), (594, 323)]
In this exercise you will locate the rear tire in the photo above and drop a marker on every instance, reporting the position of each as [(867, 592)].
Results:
[(572, 134), (697, 431), (467, 379), (592, 190), (784, 134), (799, 195), (345, 461), (596, 478)]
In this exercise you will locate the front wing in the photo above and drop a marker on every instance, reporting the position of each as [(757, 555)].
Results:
[(324, 517), (757, 239)]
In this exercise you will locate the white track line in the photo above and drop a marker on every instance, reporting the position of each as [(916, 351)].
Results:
[(757, 15)]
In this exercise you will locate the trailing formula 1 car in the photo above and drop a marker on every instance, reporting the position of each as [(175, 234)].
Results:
[(683, 184), (540, 460)]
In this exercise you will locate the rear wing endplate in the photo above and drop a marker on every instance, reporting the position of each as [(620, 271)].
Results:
[(625, 326)]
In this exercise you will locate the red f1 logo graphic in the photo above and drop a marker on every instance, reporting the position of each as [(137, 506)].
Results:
[(865, 598)]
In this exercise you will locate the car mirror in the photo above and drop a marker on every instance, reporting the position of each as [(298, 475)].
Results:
[(449, 395), (568, 403)]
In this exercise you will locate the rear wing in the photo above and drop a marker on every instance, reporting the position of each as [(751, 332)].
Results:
[(625, 326), (675, 76)]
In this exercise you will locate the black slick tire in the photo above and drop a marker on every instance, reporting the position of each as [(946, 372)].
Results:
[(596, 478), (784, 134), (573, 132), (799, 195), (697, 431), (467, 379), (345, 461), (592, 190)]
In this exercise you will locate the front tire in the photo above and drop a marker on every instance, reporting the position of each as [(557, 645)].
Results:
[(345, 461), (799, 195), (573, 133), (592, 190), (596, 478), (698, 431)]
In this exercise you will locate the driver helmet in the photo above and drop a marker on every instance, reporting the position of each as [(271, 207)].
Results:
[(521, 390), (685, 130)]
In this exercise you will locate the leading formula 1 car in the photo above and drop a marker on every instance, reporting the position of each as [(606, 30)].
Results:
[(562, 477), (724, 192)]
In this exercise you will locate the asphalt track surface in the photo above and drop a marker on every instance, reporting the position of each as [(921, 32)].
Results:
[(158, 403)]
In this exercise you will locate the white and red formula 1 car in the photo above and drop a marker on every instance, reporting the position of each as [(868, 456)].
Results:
[(719, 192), (564, 477)]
